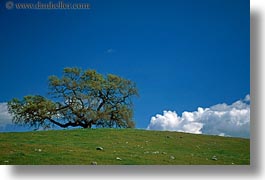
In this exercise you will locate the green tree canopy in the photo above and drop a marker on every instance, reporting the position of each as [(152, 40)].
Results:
[(79, 98)]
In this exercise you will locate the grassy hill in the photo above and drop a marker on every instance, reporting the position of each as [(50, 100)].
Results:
[(121, 147)]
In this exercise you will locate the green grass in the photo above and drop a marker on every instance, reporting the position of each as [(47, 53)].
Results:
[(133, 146)]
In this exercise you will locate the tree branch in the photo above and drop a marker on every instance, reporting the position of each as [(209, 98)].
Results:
[(63, 125)]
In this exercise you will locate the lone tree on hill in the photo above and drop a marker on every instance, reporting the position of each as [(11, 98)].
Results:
[(79, 98)]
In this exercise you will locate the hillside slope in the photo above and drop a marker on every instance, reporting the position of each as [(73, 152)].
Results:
[(121, 147)]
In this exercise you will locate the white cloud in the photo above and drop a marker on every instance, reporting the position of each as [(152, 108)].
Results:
[(110, 51), (5, 117), (172, 122), (247, 98), (220, 119), (6, 124)]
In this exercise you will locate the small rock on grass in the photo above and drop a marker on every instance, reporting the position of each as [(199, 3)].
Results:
[(214, 158), (172, 157), (94, 163), (99, 148), (155, 152), (118, 158)]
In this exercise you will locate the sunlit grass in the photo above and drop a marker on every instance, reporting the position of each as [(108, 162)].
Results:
[(132, 146)]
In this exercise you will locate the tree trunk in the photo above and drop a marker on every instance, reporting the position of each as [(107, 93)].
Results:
[(87, 125)]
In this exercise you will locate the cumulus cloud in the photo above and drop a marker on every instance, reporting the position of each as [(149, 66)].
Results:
[(5, 117), (220, 119), (6, 124)]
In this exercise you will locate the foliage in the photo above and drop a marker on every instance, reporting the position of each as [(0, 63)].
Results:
[(79, 98)]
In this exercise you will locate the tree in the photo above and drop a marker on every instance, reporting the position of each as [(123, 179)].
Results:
[(79, 98)]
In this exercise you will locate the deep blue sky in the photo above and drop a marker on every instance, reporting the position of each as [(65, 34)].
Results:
[(181, 54)]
